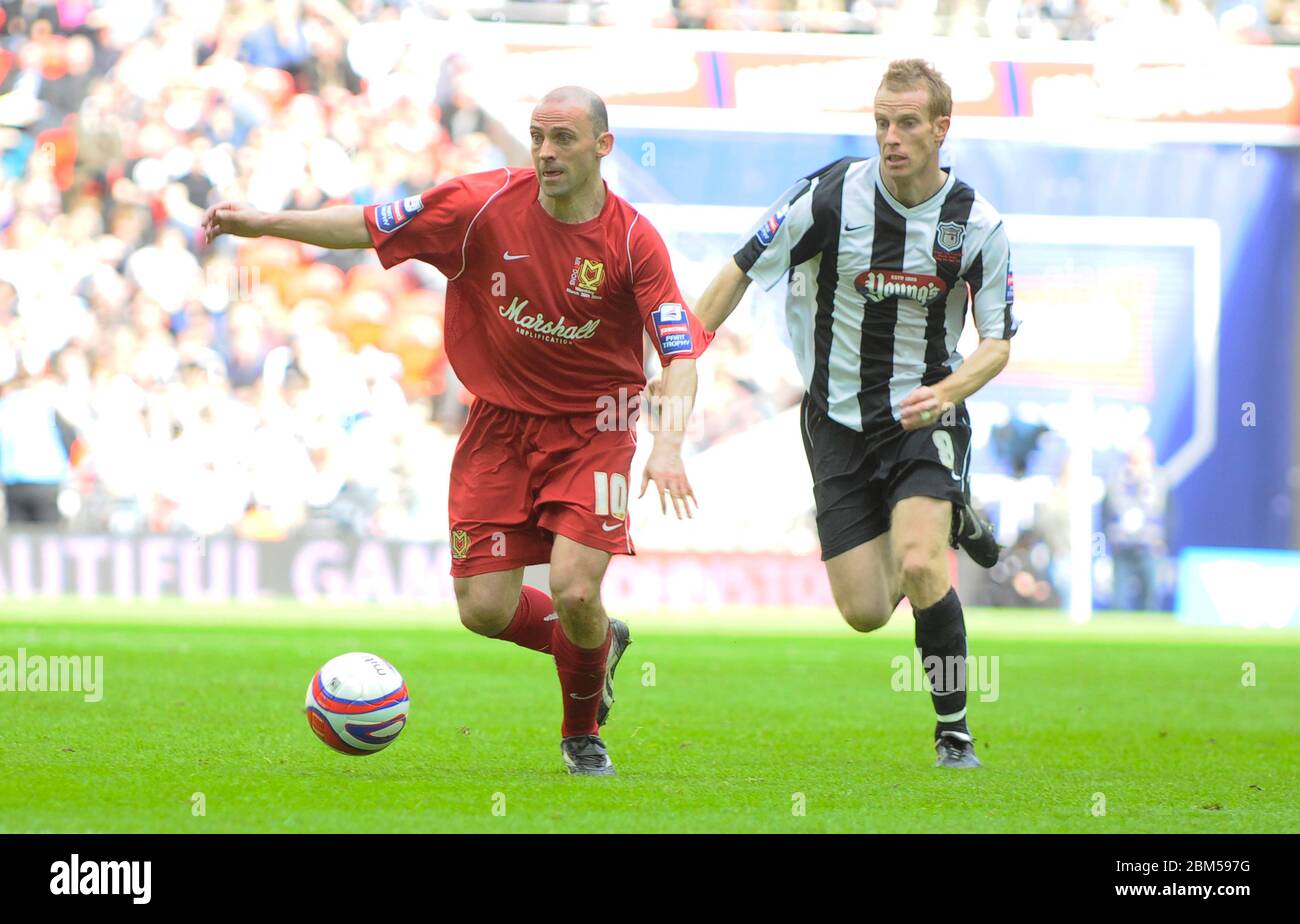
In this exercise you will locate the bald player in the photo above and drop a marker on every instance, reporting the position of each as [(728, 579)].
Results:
[(553, 282)]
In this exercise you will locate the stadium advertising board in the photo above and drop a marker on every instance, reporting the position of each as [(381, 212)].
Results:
[(1247, 588), (330, 571), (830, 73)]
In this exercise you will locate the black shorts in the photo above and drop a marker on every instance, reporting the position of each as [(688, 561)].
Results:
[(857, 482), (32, 503)]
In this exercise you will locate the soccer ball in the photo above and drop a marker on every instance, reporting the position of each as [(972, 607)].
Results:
[(357, 703)]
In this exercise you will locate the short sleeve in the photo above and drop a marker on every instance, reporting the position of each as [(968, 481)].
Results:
[(992, 287), (433, 226), (675, 330), (766, 256)]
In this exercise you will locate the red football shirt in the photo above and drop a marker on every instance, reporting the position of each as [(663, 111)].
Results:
[(542, 316)]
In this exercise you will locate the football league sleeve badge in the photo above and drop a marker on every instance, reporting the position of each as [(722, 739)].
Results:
[(390, 217)]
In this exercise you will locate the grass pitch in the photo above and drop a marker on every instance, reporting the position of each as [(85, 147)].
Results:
[(724, 722)]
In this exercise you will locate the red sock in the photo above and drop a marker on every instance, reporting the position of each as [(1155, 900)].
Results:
[(532, 622), (582, 679)]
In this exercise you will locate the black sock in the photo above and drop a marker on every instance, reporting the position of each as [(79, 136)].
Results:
[(941, 639)]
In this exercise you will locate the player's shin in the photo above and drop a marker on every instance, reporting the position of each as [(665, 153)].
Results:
[(941, 641), (582, 680), (533, 622)]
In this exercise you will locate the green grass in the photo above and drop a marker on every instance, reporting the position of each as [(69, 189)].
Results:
[(745, 712)]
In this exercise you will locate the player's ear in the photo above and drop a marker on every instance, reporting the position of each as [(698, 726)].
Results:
[(604, 143), (941, 126)]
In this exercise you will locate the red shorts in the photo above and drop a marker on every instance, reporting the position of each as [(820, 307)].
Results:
[(518, 480)]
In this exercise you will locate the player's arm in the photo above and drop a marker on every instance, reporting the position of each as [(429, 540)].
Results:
[(433, 226), (670, 400), (991, 302), (339, 227), (989, 358), (782, 238), (679, 338), (765, 256), (722, 296)]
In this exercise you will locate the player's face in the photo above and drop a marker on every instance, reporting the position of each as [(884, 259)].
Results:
[(909, 141), (566, 150)]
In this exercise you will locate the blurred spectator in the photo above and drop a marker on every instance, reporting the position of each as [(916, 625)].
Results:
[(1134, 514), (35, 445)]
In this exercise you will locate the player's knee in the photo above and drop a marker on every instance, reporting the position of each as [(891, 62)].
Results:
[(866, 616), (482, 620), (574, 595), (480, 615), (919, 566)]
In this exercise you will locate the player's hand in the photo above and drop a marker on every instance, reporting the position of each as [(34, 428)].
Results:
[(231, 218), (923, 408), (666, 469)]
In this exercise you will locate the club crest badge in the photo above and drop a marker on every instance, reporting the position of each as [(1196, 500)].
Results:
[(950, 235), (586, 277), (459, 544)]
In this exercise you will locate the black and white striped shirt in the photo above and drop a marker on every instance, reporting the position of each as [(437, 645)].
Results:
[(878, 291)]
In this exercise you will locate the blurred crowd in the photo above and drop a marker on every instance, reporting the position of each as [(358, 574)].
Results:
[(1030, 502), (148, 382), (255, 385), (1252, 21), (260, 386)]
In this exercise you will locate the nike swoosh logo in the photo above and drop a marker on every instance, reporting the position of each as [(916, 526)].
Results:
[(609, 529), (515, 256), (576, 696), (855, 227), (551, 618)]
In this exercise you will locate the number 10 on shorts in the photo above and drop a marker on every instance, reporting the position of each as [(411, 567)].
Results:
[(611, 495)]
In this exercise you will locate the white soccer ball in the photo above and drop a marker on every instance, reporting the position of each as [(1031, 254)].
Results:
[(357, 703)]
